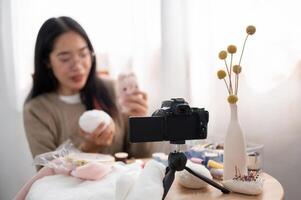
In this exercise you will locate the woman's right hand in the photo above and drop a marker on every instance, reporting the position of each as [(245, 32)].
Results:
[(102, 137), (135, 104)]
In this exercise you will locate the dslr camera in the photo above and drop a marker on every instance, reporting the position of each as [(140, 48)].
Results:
[(175, 121)]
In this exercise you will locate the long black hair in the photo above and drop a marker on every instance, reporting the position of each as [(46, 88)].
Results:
[(94, 92)]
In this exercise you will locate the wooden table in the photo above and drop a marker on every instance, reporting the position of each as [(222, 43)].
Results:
[(272, 190)]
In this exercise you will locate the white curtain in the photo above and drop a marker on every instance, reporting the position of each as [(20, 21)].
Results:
[(14, 152), (8, 83)]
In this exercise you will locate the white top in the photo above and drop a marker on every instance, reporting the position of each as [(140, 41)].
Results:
[(71, 99)]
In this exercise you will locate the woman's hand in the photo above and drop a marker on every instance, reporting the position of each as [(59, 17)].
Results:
[(102, 137), (135, 104)]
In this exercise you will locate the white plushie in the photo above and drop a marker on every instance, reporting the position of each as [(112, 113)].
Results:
[(189, 180), (127, 84), (91, 119)]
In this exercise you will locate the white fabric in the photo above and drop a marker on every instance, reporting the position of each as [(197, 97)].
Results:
[(149, 185), (71, 99), (190, 181), (69, 188), (91, 119), (124, 183)]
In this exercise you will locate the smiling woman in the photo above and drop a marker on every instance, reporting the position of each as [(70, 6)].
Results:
[(70, 62), (65, 68)]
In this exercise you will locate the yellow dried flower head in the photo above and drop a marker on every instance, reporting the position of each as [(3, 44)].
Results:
[(222, 55), (236, 69), (231, 49), (221, 74), (232, 99), (251, 29)]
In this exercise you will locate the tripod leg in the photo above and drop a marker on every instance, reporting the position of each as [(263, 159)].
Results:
[(209, 181), (168, 180)]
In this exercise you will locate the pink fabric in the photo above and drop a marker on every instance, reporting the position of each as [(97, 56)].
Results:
[(45, 171), (92, 171)]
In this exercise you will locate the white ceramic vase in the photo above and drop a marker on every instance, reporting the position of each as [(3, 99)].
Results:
[(234, 147)]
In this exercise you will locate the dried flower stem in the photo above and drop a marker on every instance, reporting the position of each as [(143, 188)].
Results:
[(230, 76), (236, 84), (227, 86), (230, 82), (242, 52), (243, 48), (227, 67)]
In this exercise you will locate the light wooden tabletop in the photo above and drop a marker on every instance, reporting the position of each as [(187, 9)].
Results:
[(272, 190)]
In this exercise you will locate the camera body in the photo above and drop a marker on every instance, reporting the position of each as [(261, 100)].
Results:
[(175, 121)]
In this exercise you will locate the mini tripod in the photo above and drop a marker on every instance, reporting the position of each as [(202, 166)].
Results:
[(177, 162)]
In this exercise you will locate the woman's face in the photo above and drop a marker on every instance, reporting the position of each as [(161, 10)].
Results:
[(70, 62)]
